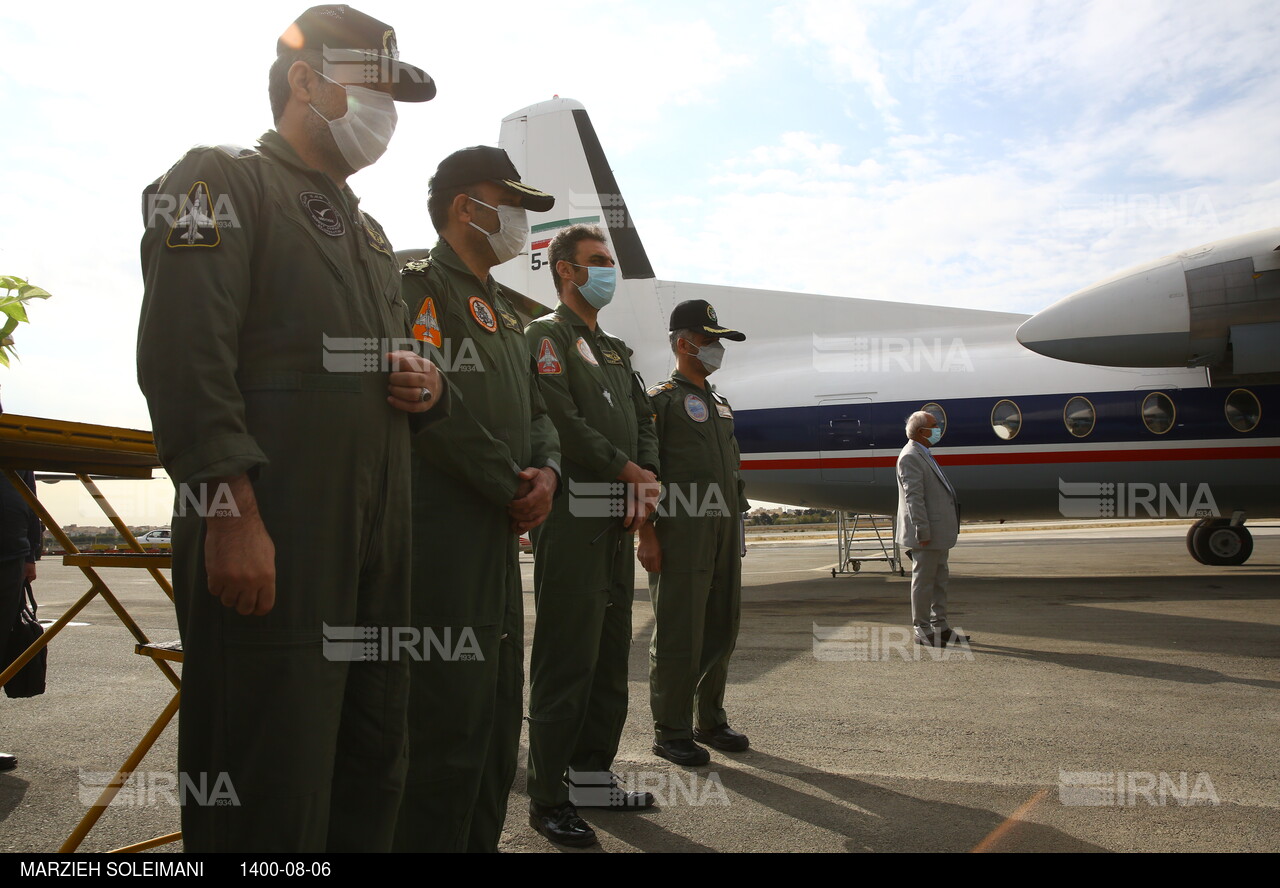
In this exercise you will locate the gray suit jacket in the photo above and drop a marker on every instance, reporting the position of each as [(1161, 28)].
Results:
[(927, 508)]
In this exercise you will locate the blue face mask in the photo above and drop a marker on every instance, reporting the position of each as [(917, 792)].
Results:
[(601, 282), (935, 435)]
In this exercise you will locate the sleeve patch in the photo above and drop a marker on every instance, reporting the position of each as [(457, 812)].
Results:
[(548, 362), (196, 224), (661, 387), (426, 327)]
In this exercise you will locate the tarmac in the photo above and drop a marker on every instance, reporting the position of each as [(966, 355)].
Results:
[(1116, 696)]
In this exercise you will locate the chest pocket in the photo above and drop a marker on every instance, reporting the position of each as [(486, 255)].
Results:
[(330, 246)]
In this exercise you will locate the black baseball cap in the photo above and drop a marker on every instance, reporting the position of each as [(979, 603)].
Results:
[(697, 314), (481, 163), (359, 47)]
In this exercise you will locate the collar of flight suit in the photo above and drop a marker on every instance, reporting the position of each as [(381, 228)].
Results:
[(444, 253), (677, 376), (572, 317), (278, 148)]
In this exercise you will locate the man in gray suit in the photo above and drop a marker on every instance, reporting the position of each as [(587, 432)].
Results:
[(927, 523)]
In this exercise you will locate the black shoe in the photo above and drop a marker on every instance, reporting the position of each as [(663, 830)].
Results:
[(682, 752), (8, 762), (724, 738), (608, 795), (929, 639), (949, 636), (561, 824)]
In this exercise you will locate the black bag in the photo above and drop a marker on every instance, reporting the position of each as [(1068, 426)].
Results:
[(29, 682)]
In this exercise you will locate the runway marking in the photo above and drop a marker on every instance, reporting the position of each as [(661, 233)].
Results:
[(1003, 829)]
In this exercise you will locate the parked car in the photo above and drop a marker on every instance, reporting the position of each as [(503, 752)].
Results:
[(155, 538)]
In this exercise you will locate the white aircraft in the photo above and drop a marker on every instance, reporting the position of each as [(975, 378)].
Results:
[(823, 384), (195, 218)]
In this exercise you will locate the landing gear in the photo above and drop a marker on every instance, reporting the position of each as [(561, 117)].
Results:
[(1219, 541)]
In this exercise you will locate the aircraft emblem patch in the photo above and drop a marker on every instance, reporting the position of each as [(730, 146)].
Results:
[(196, 227), (426, 328), (483, 314), (585, 351), (548, 363), (696, 408), (321, 213)]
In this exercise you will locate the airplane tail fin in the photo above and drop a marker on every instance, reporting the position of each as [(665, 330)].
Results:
[(554, 146)]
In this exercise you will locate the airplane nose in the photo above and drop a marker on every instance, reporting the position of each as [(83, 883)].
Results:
[(1139, 318)]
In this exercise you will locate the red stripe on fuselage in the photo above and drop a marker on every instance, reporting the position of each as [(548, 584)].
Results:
[(1038, 458)]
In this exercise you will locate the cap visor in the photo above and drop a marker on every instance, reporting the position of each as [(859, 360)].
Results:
[(724, 333), (411, 84), (530, 198)]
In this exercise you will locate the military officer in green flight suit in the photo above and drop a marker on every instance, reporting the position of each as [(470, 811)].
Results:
[(693, 548), (479, 481), (584, 570), (274, 352)]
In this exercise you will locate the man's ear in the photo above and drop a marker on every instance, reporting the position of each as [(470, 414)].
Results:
[(461, 207), (304, 82)]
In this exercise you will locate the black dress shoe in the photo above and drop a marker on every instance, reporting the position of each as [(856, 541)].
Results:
[(8, 762), (723, 737), (561, 824), (929, 639), (949, 636), (608, 795), (682, 752)]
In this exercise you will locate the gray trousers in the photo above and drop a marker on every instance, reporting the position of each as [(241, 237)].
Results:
[(929, 575)]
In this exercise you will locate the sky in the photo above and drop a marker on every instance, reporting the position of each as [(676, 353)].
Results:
[(995, 155)]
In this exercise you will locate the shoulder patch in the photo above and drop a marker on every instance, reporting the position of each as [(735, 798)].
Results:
[(426, 327), (655, 390), (416, 266), (547, 361), (724, 410), (195, 224)]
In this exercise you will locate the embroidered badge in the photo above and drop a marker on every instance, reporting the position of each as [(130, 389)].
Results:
[(196, 226), (322, 213), (548, 363), (585, 351), (724, 411), (660, 388), (426, 328), (611, 356), (711, 313), (483, 314), (374, 236), (696, 408), (509, 320)]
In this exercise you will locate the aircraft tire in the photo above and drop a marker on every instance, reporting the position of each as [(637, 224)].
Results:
[(1223, 545), (1192, 532)]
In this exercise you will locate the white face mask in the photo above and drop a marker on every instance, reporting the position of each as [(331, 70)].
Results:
[(513, 231), (711, 355), (363, 132)]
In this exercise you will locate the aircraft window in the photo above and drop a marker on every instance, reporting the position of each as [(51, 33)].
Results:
[(1158, 413), (1079, 416), (1243, 410), (936, 411), (1006, 420)]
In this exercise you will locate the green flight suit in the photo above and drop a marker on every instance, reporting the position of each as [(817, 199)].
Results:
[(465, 714), (583, 579), (697, 596), (253, 264)]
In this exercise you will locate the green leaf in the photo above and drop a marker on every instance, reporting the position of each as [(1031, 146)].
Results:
[(9, 282), (15, 310), (29, 291)]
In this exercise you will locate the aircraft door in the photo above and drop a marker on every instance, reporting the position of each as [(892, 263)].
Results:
[(845, 440)]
